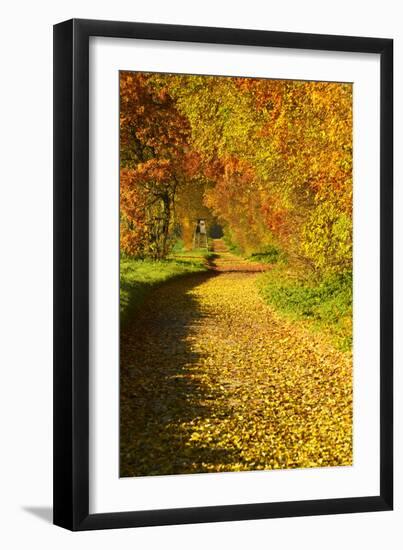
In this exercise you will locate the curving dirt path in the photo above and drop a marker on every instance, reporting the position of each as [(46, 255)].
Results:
[(213, 380)]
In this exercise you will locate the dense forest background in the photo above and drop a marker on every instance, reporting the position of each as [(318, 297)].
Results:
[(268, 160)]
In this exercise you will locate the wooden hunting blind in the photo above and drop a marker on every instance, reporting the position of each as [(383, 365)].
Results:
[(200, 239)]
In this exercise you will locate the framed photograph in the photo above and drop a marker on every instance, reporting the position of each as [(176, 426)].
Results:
[(223, 285)]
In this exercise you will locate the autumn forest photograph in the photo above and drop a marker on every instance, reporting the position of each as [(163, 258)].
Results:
[(236, 287)]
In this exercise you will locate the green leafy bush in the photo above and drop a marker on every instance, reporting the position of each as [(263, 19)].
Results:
[(326, 304)]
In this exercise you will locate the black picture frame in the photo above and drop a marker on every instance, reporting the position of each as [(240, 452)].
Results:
[(71, 274)]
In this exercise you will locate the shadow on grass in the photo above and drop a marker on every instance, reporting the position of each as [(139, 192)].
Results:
[(138, 278), (161, 390)]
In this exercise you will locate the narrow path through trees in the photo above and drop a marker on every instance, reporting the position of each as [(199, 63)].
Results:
[(213, 380)]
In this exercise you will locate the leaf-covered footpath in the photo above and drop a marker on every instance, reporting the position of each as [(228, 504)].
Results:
[(212, 379)]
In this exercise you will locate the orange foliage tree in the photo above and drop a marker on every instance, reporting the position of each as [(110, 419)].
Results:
[(154, 155)]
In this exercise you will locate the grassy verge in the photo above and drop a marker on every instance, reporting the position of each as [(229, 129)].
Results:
[(196, 254), (324, 306), (138, 277), (232, 246), (270, 255)]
